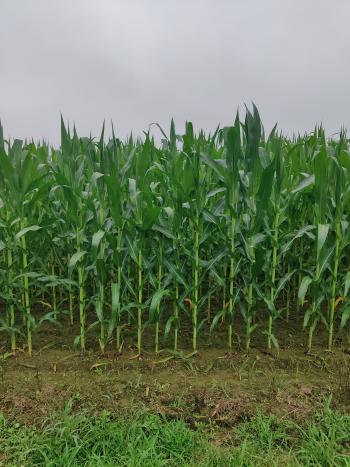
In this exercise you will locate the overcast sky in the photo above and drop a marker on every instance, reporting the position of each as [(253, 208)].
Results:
[(141, 61)]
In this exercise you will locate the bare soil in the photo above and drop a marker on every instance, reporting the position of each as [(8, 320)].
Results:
[(210, 386)]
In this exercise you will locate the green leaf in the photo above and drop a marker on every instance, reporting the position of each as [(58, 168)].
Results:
[(274, 341), (216, 319), (99, 310), (169, 324), (307, 317), (283, 281), (347, 284), (132, 190), (78, 256), (257, 238), (155, 303), (215, 191), (345, 315), (306, 230), (307, 182), (114, 195), (150, 214), (164, 231), (96, 238), (321, 161), (115, 296), (96, 176), (174, 272), (264, 193), (324, 260), (31, 228), (209, 216), (212, 163), (303, 288), (132, 249), (252, 329), (322, 233)]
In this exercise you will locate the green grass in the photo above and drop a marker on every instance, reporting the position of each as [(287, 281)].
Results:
[(80, 439)]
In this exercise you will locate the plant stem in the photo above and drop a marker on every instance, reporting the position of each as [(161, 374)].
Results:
[(176, 314), (139, 309), (10, 292), (196, 283), (250, 296), (232, 279), (334, 284), (54, 298), (119, 282), (160, 277), (81, 298), (102, 322), (26, 293), (224, 292), (71, 299), (273, 272)]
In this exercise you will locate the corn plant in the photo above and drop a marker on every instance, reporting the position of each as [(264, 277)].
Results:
[(123, 238)]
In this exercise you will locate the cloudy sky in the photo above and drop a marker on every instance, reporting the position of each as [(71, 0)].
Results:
[(141, 61)]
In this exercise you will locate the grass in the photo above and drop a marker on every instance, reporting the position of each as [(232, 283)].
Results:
[(81, 439)]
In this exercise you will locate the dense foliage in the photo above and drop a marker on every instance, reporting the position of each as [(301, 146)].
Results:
[(198, 228)]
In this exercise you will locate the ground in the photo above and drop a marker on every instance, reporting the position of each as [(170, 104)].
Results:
[(211, 387)]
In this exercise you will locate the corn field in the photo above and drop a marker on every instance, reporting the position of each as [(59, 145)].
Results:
[(199, 229)]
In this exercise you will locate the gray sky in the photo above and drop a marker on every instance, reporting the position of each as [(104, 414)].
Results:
[(140, 61)]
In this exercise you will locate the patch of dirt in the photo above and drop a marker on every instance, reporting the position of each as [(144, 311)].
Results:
[(210, 387)]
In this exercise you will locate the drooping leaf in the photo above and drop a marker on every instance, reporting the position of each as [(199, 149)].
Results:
[(74, 260), (25, 230), (303, 288)]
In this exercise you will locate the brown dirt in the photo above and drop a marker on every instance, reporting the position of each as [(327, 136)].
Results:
[(211, 386)]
